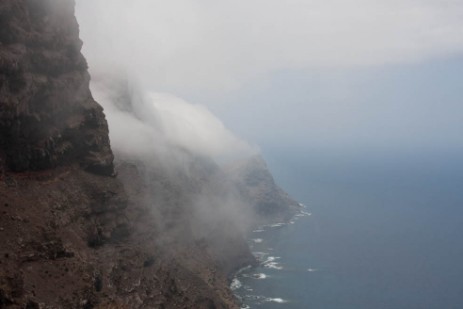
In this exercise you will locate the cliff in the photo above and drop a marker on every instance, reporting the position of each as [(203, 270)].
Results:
[(80, 229), (269, 201), (48, 116)]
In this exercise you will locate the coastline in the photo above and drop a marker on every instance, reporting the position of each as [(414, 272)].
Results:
[(263, 259)]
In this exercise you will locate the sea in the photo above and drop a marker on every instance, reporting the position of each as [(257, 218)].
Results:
[(373, 233)]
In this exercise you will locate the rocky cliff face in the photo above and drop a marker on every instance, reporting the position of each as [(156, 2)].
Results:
[(48, 116), (73, 234)]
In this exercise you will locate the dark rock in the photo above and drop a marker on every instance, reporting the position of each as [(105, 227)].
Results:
[(4, 299), (32, 305), (47, 114), (98, 283), (148, 262)]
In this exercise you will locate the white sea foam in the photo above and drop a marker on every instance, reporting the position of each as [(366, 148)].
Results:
[(258, 231), (257, 240), (273, 265), (270, 262), (271, 259), (277, 224), (276, 300), (263, 299), (259, 276), (303, 214), (311, 270), (235, 284)]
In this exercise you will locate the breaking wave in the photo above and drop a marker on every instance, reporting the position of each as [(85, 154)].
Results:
[(276, 300), (235, 284)]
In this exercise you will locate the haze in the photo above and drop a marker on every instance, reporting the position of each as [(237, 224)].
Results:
[(349, 76)]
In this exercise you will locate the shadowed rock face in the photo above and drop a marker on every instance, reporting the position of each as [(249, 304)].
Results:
[(47, 114)]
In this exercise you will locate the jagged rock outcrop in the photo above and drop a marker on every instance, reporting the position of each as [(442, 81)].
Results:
[(47, 114)]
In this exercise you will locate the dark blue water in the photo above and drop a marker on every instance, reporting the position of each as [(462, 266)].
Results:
[(383, 233)]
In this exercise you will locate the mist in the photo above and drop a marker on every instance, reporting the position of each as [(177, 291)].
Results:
[(179, 149), (144, 122), (294, 79), (315, 75), (208, 46), (356, 106)]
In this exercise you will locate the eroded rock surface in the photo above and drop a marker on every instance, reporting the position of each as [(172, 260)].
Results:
[(47, 114)]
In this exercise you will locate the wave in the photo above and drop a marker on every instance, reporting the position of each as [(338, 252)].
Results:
[(303, 214), (276, 300), (277, 224), (273, 265), (272, 258), (259, 300), (256, 276)]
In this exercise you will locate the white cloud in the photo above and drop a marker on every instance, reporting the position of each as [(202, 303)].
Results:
[(219, 45), (194, 127), (145, 124)]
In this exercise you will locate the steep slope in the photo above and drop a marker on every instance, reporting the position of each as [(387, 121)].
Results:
[(75, 240), (47, 115), (77, 229)]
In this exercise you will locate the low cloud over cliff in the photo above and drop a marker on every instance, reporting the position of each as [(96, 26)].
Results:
[(144, 123)]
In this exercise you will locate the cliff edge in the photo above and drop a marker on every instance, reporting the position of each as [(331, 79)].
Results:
[(48, 116)]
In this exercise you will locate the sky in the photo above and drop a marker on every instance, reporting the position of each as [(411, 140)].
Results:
[(299, 75)]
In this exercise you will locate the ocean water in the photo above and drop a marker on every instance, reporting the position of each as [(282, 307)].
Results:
[(378, 233)]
